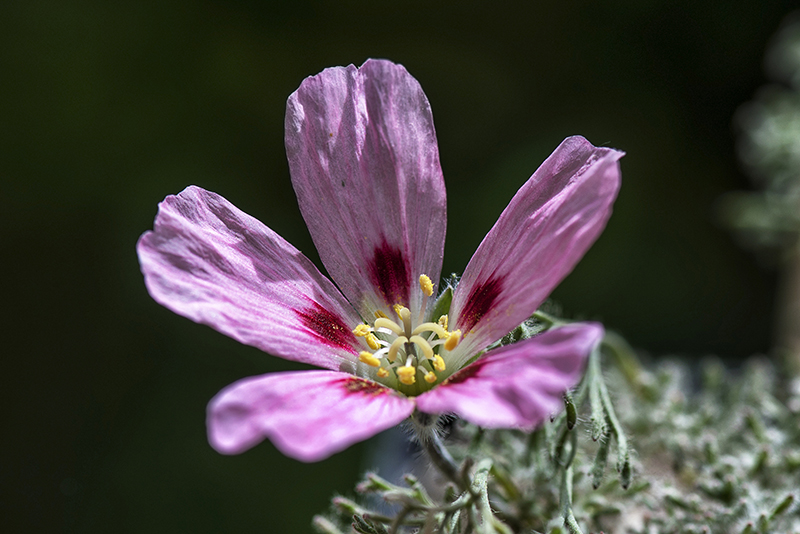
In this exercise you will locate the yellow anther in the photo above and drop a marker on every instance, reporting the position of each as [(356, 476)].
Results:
[(430, 378), (369, 359), (383, 322), (426, 284), (423, 344), (395, 346), (453, 340), (438, 363), (407, 374), (372, 341), (397, 308), (362, 330), (443, 322), (379, 314), (382, 372), (431, 327)]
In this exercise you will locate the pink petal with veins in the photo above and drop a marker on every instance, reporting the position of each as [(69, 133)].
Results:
[(210, 262), (519, 385), (308, 415), (547, 227), (365, 166)]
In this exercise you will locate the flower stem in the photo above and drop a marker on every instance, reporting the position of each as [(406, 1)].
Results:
[(441, 458), (566, 502)]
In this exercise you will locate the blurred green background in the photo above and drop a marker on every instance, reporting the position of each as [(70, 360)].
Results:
[(107, 107)]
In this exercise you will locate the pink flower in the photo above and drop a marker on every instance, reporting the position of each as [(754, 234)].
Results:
[(365, 166)]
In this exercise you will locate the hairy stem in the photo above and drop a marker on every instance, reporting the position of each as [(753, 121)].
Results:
[(432, 445)]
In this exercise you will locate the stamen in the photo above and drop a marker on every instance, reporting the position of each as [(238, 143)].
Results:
[(453, 340), (407, 374), (396, 344), (432, 327), (369, 359), (379, 314), (372, 341), (427, 290), (422, 343), (362, 330), (436, 342), (426, 285), (397, 308), (430, 378), (383, 322), (382, 372), (443, 321), (438, 363)]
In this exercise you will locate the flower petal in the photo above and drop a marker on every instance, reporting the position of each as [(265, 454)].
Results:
[(547, 227), (210, 262), (365, 166), (519, 385), (308, 415)]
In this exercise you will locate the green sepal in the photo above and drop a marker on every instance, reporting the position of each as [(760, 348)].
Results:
[(783, 506), (600, 461), (531, 327), (570, 410)]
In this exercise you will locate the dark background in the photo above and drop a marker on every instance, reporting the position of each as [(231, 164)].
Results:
[(107, 107)]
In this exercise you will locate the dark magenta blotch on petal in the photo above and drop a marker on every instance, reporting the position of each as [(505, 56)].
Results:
[(390, 274), (464, 374), (328, 327), (354, 384), (480, 301)]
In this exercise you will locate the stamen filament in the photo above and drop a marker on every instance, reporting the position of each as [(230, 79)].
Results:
[(422, 343), (395, 346), (383, 322), (432, 327)]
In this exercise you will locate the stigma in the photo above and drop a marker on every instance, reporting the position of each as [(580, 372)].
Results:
[(404, 348)]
